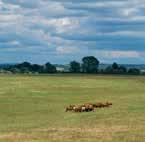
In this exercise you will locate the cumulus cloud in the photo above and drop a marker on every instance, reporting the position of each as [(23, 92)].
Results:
[(70, 29)]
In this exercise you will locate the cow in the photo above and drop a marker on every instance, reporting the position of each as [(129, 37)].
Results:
[(88, 107), (98, 105), (102, 105), (70, 108), (108, 104), (77, 108)]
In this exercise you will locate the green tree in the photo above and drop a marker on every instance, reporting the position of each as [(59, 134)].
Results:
[(49, 68), (23, 67), (115, 66), (115, 69), (134, 71), (122, 70), (37, 68), (109, 69), (90, 64), (75, 67)]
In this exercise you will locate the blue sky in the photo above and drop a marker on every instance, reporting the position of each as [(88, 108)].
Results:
[(63, 30)]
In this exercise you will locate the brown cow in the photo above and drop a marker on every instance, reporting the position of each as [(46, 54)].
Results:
[(83, 108), (77, 109), (108, 104), (70, 108), (88, 107), (102, 105), (98, 105)]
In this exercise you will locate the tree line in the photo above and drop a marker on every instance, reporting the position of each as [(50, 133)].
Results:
[(89, 65), (27, 67)]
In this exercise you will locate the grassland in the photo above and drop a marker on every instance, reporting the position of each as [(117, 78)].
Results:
[(32, 108)]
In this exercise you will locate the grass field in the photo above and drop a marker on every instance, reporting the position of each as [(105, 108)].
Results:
[(32, 108)]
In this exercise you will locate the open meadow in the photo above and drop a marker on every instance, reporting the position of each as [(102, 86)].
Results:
[(32, 108)]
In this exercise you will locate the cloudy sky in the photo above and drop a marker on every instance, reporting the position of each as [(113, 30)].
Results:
[(62, 30)]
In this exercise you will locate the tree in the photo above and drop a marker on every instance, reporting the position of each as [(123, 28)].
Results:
[(24, 70), (24, 64), (49, 68), (116, 69), (37, 68), (115, 66), (75, 67), (24, 67), (14, 70), (90, 64), (134, 71), (27, 67), (122, 69), (109, 69)]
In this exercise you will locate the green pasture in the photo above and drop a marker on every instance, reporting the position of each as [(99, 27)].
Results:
[(32, 108)]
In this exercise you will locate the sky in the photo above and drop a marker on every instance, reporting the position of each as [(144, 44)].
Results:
[(60, 31)]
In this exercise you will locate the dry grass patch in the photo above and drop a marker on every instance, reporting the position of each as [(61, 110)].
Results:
[(63, 134)]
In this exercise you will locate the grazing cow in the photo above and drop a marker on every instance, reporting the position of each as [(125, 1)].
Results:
[(77, 109), (108, 104), (83, 108), (98, 105), (91, 108), (88, 107), (102, 105), (70, 108)]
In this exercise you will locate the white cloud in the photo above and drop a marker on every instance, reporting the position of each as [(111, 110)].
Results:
[(67, 50), (68, 26)]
